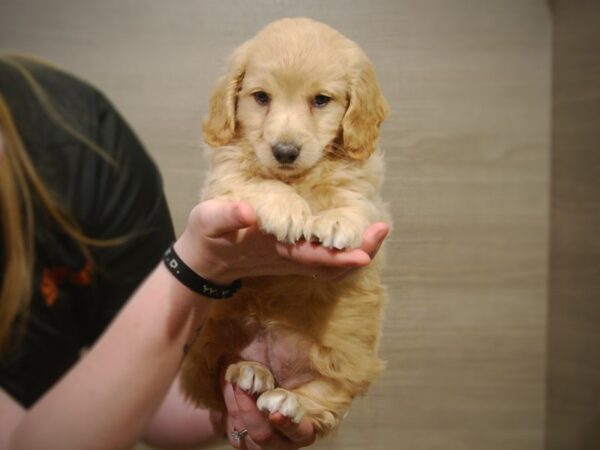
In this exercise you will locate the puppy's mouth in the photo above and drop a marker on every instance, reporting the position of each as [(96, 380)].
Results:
[(287, 167), (288, 172)]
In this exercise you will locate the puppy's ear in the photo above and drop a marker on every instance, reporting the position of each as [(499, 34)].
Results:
[(366, 111), (219, 125)]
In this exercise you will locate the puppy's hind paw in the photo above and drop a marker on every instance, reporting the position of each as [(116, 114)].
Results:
[(281, 401), (251, 376)]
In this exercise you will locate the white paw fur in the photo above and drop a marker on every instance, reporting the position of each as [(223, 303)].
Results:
[(281, 401), (283, 217), (250, 376), (334, 231)]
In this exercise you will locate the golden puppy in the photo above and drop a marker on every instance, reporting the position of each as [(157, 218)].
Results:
[(293, 127)]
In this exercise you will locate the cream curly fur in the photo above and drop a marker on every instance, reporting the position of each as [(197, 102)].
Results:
[(329, 193)]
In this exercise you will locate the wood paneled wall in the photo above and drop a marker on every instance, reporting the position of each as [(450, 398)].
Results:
[(468, 152), (573, 420)]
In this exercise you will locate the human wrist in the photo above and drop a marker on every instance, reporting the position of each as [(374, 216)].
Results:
[(195, 258), (211, 271), (194, 281)]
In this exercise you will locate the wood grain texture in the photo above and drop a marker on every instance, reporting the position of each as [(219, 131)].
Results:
[(467, 181), (573, 420)]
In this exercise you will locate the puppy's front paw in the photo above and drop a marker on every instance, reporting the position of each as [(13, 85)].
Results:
[(281, 401), (251, 376), (284, 217), (334, 231)]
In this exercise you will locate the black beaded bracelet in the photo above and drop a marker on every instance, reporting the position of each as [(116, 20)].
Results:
[(195, 282)]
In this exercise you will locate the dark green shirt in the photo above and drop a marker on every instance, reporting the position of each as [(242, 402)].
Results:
[(72, 305)]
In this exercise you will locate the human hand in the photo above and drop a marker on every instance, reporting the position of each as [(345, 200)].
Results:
[(222, 242), (274, 431)]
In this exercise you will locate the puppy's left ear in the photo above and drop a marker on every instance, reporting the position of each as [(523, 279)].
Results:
[(366, 111)]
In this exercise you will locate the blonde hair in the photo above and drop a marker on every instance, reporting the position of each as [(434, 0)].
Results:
[(20, 185)]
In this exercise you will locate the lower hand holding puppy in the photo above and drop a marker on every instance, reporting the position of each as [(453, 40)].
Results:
[(114, 394)]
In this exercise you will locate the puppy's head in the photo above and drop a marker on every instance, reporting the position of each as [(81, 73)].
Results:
[(297, 92)]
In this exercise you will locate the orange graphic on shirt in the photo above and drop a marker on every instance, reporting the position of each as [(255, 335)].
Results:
[(53, 276)]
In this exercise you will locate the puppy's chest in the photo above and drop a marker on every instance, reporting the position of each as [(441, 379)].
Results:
[(284, 352)]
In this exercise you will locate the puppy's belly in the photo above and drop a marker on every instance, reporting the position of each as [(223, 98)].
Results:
[(285, 353)]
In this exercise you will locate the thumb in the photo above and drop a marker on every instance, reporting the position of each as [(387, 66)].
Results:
[(219, 217), (373, 238)]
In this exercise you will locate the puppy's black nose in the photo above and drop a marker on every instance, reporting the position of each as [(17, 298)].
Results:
[(285, 152)]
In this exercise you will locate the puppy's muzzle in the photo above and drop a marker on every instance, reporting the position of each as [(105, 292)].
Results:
[(285, 152)]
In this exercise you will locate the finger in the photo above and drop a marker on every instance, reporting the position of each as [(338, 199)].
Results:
[(219, 217), (258, 427), (260, 430), (234, 421), (373, 238), (314, 254), (302, 434)]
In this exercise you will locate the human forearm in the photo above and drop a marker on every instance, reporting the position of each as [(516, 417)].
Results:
[(181, 424), (108, 398)]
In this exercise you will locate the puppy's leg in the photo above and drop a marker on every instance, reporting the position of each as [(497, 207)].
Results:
[(280, 210), (326, 403), (200, 369), (284, 216)]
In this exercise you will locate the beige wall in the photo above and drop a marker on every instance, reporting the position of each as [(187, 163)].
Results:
[(467, 182)]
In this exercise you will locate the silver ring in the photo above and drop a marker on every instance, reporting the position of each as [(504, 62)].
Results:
[(237, 436)]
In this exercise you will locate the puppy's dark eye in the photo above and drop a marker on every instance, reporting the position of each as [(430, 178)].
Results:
[(262, 98), (320, 101)]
